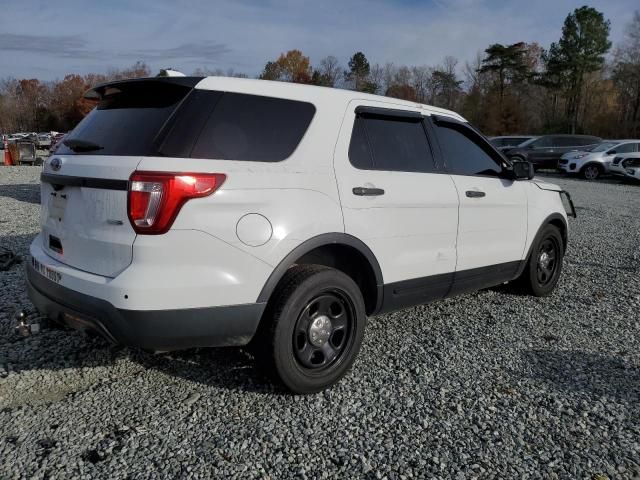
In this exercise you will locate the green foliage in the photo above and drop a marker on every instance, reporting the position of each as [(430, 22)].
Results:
[(358, 73), (507, 62), (581, 50)]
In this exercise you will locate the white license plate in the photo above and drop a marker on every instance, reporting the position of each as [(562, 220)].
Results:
[(57, 206), (45, 271)]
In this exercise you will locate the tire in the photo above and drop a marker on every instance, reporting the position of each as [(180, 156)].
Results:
[(537, 280), (591, 171), (295, 343)]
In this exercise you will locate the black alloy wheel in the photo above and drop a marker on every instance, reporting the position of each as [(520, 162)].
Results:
[(323, 330), (547, 261), (312, 329)]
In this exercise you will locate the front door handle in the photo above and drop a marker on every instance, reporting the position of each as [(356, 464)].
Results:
[(475, 194), (365, 192)]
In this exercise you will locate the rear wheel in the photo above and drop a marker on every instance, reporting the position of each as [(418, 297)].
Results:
[(544, 265), (313, 328), (591, 171)]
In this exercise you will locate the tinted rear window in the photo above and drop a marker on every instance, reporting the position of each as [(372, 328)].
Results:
[(128, 119), (253, 128), (391, 144)]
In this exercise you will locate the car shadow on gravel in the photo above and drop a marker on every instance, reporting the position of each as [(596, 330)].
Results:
[(593, 375), (23, 192), (230, 368)]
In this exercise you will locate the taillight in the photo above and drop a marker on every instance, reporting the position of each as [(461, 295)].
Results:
[(155, 198)]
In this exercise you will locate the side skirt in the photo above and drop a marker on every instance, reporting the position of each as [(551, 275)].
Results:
[(418, 291)]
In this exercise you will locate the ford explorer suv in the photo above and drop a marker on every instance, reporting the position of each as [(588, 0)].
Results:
[(545, 151), (196, 212)]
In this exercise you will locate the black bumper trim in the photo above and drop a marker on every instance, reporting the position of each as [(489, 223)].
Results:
[(157, 330)]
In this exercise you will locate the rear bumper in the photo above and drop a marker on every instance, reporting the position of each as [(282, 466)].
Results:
[(157, 330)]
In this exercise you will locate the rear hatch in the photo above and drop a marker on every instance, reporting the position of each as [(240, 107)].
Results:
[(84, 185)]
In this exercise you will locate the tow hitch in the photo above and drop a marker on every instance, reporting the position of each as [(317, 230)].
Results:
[(29, 324)]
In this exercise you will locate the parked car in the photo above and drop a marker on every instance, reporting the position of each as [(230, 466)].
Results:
[(227, 211), (509, 141), (595, 163), (43, 140), (627, 165), (55, 141), (545, 151)]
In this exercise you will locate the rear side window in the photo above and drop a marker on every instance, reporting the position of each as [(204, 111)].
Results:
[(464, 151), (544, 142), (253, 128), (570, 142), (127, 120), (626, 148), (390, 144)]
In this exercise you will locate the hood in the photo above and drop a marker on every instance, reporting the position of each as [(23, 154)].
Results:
[(552, 187), (583, 154)]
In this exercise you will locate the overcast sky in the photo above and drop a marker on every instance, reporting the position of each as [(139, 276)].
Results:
[(47, 39)]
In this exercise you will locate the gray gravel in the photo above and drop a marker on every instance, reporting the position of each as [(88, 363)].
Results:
[(487, 385)]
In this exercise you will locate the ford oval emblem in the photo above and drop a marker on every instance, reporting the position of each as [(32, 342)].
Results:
[(55, 164)]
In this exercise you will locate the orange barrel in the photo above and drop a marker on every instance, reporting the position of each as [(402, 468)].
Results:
[(8, 161)]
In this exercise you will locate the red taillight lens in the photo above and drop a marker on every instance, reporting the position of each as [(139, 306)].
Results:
[(155, 198)]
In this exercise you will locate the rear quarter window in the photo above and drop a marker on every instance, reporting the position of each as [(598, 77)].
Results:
[(253, 128)]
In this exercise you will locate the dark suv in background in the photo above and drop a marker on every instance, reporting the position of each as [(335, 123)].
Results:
[(545, 151), (509, 141)]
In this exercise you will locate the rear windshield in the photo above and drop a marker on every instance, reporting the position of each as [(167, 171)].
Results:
[(126, 121), (169, 120)]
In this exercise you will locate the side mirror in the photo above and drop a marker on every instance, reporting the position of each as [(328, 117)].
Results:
[(611, 152), (523, 170)]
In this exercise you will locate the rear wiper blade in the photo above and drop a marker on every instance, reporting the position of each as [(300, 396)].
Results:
[(81, 145)]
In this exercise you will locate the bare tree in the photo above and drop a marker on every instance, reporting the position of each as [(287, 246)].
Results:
[(330, 70)]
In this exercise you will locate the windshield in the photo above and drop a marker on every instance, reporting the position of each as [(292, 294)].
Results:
[(126, 120), (604, 146)]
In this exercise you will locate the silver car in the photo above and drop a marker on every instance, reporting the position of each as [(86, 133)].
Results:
[(598, 161)]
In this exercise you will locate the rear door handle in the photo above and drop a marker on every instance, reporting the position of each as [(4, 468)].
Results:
[(475, 194), (365, 192)]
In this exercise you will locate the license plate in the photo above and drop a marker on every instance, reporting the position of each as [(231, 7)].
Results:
[(57, 206), (45, 271)]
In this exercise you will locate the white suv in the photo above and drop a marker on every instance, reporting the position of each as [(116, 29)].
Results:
[(190, 212), (598, 161)]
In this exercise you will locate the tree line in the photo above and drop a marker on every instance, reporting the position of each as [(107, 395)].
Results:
[(580, 84)]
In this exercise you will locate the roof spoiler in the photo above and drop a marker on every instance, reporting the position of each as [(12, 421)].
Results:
[(100, 91)]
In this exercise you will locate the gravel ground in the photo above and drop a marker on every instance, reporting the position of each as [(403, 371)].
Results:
[(487, 385)]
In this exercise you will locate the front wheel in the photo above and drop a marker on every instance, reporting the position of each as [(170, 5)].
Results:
[(313, 328), (544, 265), (591, 172)]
